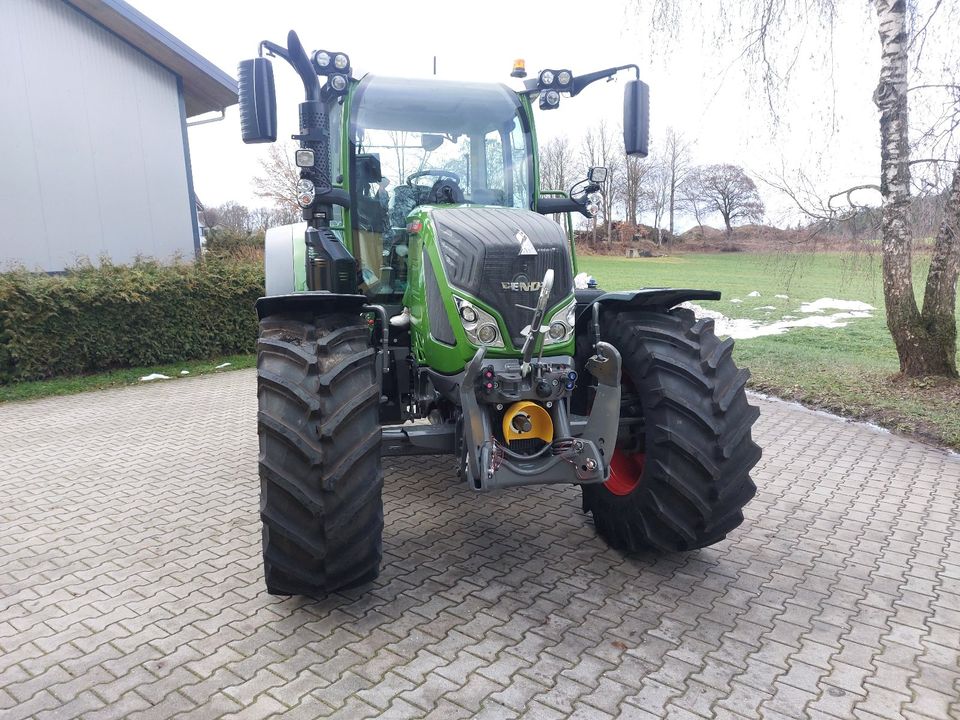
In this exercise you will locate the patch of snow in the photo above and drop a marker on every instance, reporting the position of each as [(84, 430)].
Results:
[(744, 328), (782, 297), (789, 317), (184, 372), (736, 301), (221, 366), (834, 304), (755, 293), (582, 281), (154, 376), (766, 307)]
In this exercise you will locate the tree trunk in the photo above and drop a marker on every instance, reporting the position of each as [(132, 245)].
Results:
[(940, 297), (920, 345), (672, 192)]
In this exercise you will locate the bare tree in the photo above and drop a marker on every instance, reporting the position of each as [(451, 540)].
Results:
[(558, 166), (635, 177), (262, 219), (283, 215), (210, 216), (259, 219), (601, 147), (690, 199), (728, 190), (278, 176), (925, 338), (234, 216), (657, 192), (676, 156)]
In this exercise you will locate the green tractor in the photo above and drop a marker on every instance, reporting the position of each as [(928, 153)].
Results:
[(431, 282)]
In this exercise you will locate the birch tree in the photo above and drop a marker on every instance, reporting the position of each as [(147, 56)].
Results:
[(924, 335)]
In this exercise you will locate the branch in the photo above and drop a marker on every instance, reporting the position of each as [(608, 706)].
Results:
[(848, 193), (949, 86), (932, 160)]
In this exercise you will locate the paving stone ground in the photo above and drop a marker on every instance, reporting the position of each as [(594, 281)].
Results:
[(131, 587)]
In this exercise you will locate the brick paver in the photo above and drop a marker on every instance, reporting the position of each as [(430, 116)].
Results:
[(131, 587)]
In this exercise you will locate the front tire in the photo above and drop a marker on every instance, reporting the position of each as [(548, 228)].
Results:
[(681, 478), (320, 473)]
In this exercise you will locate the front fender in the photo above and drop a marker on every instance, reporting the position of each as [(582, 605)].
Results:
[(315, 302), (664, 298)]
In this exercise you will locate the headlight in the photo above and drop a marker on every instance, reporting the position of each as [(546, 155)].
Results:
[(546, 77), (338, 82), (305, 158), (487, 333), (306, 192), (340, 61), (564, 77), (479, 325), (562, 325), (549, 99), (322, 58)]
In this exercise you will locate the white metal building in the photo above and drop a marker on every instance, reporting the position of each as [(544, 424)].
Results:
[(94, 158)]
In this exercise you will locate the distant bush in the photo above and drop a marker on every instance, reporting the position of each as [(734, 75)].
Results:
[(98, 318), (225, 242)]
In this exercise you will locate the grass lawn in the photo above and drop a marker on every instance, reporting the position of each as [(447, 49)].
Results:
[(115, 378), (846, 370)]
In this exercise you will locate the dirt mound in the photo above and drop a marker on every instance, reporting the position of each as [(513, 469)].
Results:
[(703, 233)]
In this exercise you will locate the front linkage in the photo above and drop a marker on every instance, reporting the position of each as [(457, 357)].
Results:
[(570, 457)]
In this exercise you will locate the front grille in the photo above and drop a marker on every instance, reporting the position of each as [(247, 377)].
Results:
[(481, 252)]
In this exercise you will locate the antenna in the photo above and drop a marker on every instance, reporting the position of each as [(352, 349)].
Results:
[(434, 64)]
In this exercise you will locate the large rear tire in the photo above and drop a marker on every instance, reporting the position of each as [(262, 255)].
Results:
[(320, 474), (680, 479)]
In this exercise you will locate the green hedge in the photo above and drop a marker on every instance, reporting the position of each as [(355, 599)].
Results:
[(93, 319)]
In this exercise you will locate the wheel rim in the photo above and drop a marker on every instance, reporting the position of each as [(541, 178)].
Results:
[(625, 471)]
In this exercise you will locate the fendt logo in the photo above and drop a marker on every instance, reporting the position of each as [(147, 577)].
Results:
[(522, 285)]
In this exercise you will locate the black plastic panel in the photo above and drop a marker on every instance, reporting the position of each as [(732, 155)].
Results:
[(481, 252), (439, 322)]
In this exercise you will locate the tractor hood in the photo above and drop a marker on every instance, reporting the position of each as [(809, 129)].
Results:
[(500, 255)]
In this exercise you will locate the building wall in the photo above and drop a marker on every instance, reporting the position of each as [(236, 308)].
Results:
[(92, 156)]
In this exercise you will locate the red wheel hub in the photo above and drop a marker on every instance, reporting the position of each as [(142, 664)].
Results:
[(625, 471)]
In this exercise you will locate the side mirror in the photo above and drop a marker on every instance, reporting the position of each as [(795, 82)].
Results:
[(636, 117), (597, 174), (258, 101)]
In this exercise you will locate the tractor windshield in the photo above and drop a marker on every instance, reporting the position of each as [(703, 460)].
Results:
[(416, 142), (421, 131)]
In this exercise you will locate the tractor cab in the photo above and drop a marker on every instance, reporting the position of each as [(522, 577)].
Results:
[(414, 143)]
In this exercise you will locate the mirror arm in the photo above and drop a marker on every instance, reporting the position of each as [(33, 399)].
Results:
[(296, 56), (581, 81), (273, 49)]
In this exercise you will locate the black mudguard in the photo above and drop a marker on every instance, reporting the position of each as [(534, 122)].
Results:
[(319, 301), (664, 298)]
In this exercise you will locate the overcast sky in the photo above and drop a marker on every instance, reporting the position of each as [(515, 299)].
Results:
[(694, 87)]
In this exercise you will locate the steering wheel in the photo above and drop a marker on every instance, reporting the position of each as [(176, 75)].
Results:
[(434, 172)]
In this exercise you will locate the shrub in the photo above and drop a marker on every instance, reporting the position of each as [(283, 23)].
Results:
[(92, 319), (224, 242)]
